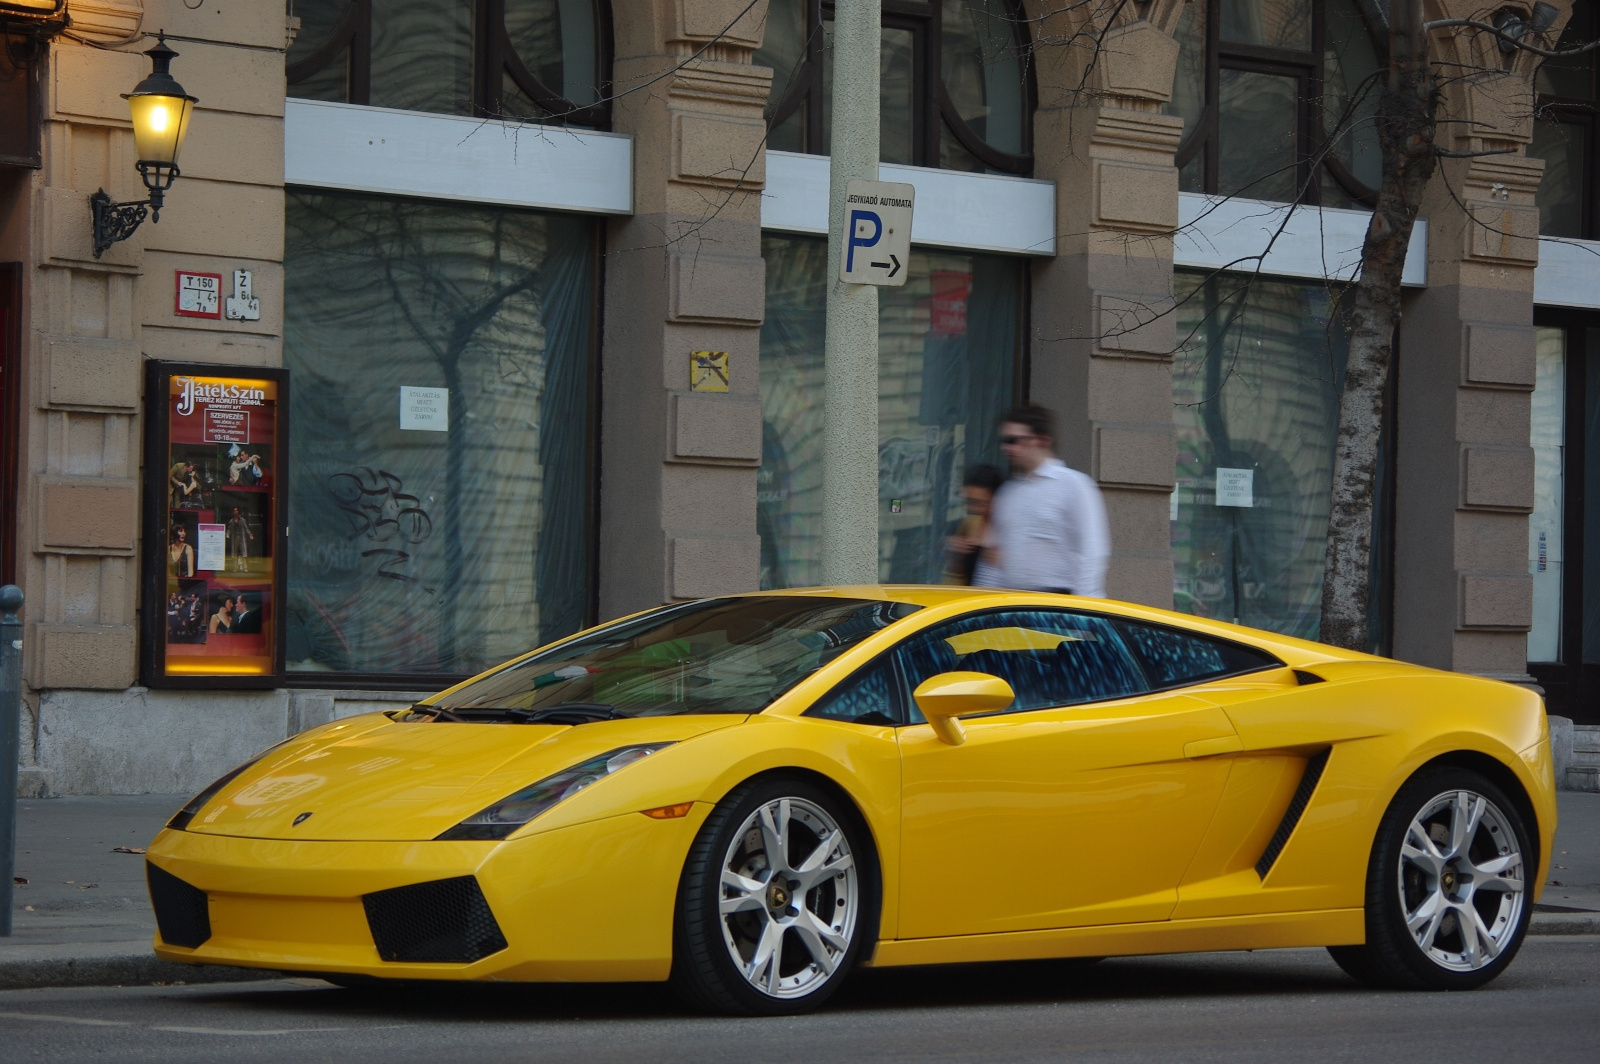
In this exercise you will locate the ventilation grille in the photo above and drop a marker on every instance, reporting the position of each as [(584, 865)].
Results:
[(447, 920), (182, 912), (1291, 815)]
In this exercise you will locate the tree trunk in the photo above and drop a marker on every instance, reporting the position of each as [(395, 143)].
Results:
[(1406, 126)]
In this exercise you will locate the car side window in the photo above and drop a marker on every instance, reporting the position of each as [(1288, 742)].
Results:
[(866, 697), (1049, 657), (1174, 658)]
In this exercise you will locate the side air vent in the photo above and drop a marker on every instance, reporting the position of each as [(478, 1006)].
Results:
[(183, 913), (445, 921), (1292, 815), (1302, 677)]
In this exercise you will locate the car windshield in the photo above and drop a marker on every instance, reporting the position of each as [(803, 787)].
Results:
[(732, 655)]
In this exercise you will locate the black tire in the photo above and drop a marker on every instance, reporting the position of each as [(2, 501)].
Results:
[(1392, 956), (705, 942)]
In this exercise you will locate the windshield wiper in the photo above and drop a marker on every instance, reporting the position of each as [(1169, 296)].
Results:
[(434, 712), (566, 713)]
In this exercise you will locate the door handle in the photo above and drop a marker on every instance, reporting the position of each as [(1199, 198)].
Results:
[(1224, 744)]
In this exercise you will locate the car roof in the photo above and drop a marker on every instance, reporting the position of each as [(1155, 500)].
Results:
[(1290, 649)]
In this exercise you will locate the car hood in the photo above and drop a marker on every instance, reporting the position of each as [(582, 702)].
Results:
[(374, 779)]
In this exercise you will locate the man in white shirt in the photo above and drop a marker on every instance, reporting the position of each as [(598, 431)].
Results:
[(1047, 526)]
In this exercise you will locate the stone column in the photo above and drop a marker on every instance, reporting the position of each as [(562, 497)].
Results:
[(1463, 598), (91, 321), (1103, 331), (683, 274)]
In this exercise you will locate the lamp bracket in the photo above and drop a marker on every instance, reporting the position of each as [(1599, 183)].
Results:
[(114, 221)]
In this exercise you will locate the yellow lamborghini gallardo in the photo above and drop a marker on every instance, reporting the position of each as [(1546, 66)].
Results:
[(750, 796)]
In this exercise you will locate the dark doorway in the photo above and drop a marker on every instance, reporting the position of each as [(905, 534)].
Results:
[(1564, 529)]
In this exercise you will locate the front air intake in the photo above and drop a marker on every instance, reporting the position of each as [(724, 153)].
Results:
[(445, 921), (183, 913)]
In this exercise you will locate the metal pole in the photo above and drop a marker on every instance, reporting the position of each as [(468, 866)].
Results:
[(10, 725), (850, 388)]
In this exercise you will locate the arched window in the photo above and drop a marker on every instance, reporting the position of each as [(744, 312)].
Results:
[(544, 60), (1278, 98), (1564, 133), (956, 82)]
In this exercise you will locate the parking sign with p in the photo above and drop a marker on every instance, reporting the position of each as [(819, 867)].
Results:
[(877, 233)]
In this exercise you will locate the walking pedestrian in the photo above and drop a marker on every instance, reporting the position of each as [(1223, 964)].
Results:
[(963, 550), (1047, 525)]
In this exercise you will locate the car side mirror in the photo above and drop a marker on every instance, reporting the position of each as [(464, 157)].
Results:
[(951, 695)]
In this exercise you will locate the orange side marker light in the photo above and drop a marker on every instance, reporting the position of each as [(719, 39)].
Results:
[(668, 812)]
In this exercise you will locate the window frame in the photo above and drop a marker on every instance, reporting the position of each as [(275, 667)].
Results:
[(1307, 68), (932, 107), (493, 60), (900, 690)]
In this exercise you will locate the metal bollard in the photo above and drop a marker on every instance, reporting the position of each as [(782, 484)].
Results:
[(10, 725)]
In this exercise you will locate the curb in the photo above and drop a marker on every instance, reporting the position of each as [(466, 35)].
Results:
[(133, 964), (1564, 924), (106, 964)]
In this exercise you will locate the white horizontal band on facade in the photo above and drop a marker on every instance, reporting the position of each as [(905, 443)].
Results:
[(972, 212), (406, 153), (1322, 243), (1568, 273)]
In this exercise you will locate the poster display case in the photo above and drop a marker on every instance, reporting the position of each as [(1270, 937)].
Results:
[(216, 440)]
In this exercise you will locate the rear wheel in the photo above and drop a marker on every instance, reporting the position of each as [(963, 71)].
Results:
[(1447, 903), (778, 893)]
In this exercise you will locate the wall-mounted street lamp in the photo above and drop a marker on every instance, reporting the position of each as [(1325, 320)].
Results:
[(161, 111)]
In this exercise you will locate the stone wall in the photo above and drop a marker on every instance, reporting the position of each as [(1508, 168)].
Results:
[(89, 324)]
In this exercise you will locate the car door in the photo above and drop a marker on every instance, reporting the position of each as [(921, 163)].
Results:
[(1082, 804)]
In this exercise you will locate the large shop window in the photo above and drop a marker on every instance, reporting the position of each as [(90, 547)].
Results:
[(440, 501), (956, 82), (541, 60), (1278, 99), (1564, 528), (949, 345), (1256, 383)]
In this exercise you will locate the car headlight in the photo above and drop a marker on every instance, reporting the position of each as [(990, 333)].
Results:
[(515, 810)]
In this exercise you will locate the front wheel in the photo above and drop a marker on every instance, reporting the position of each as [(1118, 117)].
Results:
[(1447, 902), (778, 893)]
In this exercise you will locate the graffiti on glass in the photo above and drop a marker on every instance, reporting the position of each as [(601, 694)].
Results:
[(377, 510)]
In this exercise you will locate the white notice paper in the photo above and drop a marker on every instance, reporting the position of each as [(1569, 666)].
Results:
[(1235, 487), (212, 547), (425, 409)]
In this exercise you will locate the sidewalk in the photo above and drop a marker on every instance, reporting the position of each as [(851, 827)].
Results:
[(83, 918)]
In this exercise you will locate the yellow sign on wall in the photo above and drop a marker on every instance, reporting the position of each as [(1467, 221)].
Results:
[(708, 371)]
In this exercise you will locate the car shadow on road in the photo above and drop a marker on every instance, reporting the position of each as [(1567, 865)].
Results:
[(945, 986)]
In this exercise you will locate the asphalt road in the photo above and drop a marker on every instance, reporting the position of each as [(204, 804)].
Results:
[(1269, 1007)]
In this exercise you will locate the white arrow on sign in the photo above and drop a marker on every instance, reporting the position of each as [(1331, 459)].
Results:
[(877, 231)]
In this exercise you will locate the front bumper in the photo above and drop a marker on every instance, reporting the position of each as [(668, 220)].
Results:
[(588, 902)]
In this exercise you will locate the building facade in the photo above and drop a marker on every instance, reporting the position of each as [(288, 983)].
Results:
[(529, 295)]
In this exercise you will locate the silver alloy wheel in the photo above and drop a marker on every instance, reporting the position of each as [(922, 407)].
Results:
[(790, 897), (1461, 880)]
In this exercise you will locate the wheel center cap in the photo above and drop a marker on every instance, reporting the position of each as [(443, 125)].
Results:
[(1448, 880), (778, 895)]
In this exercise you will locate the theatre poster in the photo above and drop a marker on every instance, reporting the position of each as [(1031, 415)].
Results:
[(215, 455)]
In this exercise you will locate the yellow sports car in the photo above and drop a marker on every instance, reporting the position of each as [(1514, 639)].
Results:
[(749, 796)]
